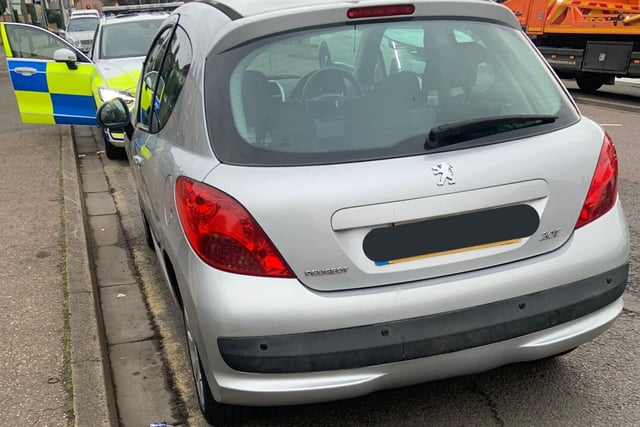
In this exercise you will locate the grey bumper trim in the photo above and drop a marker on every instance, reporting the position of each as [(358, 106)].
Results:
[(415, 338)]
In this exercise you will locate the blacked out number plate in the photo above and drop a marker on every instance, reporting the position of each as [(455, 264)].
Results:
[(443, 235)]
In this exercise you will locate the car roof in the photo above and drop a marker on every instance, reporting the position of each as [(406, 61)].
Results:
[(247, 8), (84, 16), (115, 19), (138, 9), (87, 12), (252, 7)]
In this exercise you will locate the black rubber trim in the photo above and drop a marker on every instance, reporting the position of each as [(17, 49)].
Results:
[(230, 12), (424, 336)]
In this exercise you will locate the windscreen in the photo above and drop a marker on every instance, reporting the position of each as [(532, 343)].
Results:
[(128, 39), (373, 91), (82, 24)]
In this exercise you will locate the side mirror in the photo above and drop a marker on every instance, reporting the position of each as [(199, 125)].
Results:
[(67, 56), (114, 114)]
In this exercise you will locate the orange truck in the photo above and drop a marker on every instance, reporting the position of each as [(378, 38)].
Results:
[(591, 41)]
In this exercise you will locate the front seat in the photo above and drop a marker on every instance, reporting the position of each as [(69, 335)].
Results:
[(448, 68)]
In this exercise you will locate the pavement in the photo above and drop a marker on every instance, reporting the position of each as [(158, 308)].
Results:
[(53, 357)]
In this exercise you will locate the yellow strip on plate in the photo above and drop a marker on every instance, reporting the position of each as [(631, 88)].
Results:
[(455, 251)]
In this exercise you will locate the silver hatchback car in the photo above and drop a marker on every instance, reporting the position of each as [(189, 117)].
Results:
[(351, 196)]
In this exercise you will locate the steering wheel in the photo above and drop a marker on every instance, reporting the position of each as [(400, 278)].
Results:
[(326, 90)]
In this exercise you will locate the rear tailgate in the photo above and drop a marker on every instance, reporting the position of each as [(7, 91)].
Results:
[(376, 223)]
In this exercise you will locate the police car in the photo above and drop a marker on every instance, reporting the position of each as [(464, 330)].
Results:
[(56, 82), (121, 42)]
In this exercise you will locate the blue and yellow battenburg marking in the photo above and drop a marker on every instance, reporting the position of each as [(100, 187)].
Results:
[(51, 94)]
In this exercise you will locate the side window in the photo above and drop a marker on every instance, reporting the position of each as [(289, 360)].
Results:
[(172, 76), (35, 43), (147, 109)]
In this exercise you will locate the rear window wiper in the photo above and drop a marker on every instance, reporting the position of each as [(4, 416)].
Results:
[(465, 130)]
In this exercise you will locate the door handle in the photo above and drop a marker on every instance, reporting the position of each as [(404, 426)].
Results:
[(25, 71), (138, 160)]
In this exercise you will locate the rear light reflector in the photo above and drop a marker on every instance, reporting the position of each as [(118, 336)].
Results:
[(603, 191), (380, 11), (223, 234)]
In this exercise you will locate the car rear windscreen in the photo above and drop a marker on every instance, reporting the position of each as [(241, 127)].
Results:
[(375, 91)]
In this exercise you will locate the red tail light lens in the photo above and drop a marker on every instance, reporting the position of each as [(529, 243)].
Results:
[(224, 234), (380, 11), (603, 191)]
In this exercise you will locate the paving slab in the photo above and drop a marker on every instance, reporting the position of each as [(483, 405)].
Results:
[(139, 377), (112, 266), (125, 315), (105, 230)]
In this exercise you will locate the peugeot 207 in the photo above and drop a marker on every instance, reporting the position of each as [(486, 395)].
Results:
[(351, 196)]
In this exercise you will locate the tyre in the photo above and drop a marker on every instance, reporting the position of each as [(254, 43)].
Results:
[(113, 152), (217, 414), (591, 82)]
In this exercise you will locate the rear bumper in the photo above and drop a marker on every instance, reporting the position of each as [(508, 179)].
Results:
[(318, 346), (287, 389), (390, 342)]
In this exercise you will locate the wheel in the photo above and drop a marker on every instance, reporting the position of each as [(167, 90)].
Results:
[(591, 82), (113, 152), (217, 414), (325, 91)]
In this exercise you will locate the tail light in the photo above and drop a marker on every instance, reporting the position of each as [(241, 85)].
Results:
[(223, 234), (603, 191)]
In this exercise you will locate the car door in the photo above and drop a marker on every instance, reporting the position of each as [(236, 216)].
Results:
[(145, 146), (51, 79)]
